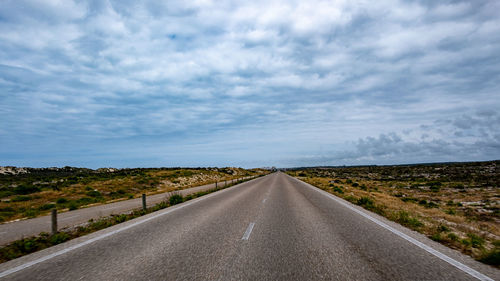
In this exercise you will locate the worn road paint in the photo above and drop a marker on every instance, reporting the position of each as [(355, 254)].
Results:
[(248, 231)]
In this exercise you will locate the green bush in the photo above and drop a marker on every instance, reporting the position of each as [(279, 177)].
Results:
[(175, 199), (47, 207), (431, 205), (437, 237), (435, 186), (94, 193), (24, 189), (443, 228), (5, 193), (338, 189), (59, 238), (428, 204), (369, 204), (6, 210), (85, 201), (450, 211), (31, 213), (492, 257), (21, 198), (72, 205), (120, 218), (365, 201), (409, 199), (452, 236), (405, 219), (61, 201), (475, 241)]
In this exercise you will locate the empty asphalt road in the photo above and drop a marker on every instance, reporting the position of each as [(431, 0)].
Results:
[(270, 228)]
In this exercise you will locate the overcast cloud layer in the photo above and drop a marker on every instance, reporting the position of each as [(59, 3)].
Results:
[(249, 83)]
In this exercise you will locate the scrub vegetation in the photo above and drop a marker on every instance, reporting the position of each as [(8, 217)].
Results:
[(30, 192), (456, 204), (45, 240)]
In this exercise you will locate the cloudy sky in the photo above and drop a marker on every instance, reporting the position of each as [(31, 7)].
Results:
[(248, 83)]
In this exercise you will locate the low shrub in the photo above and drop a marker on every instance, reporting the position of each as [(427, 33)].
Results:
[(85, 201), (21, 198), (26, 189), (338, 190), (47, 207), (5, 193), (452, 236), (72, 205), (409, 199), (443, 228), (351, 199), (175, 199), (450, 211), (428, 204), (492, 257), (31, 213), (437, 237), (405, 219), (94, 193), (475, 241), (61, 200), (59, 238), (365, 201), (369, 204)]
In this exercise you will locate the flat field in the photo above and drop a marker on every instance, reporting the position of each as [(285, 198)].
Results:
[(31, 192)]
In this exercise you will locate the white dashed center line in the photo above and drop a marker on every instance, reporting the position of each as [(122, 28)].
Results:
[(248, 231)]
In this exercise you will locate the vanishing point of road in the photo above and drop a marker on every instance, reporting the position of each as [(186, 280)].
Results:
[(270, 228)]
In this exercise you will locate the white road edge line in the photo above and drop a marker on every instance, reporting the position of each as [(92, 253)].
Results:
[(417, 243), (58, 253), (248, 231)]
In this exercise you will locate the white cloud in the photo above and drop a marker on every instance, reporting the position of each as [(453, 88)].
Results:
[(307, 75)]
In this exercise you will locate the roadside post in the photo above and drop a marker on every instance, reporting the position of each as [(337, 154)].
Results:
[(144, 202), (54, 221)]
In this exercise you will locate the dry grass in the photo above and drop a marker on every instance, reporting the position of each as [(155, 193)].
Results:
[(472, 228), (106, 188)]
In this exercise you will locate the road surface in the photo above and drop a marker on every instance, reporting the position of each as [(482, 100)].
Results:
[(12, 231), (271, 228)]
